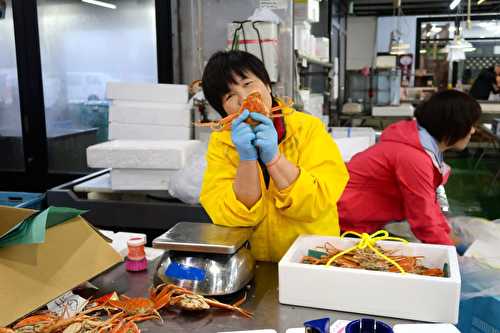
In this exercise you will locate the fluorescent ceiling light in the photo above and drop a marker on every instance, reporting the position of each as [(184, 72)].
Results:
[(454, 4), (480, 2), (100, 3)]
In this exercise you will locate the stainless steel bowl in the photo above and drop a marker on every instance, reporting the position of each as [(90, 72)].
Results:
[(207, 273)]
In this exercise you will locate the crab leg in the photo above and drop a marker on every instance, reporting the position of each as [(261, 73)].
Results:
[(217, 304)]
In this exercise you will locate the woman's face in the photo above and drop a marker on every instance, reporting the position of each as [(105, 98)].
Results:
[(231, 101), (462, 143)]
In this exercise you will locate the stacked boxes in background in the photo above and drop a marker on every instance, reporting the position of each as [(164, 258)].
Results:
[(141, 164), (150, 129), (142, 111), (305, 13)]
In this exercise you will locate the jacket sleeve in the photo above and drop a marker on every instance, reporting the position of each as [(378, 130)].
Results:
[(321, 181), (217, 195), (421, 206)]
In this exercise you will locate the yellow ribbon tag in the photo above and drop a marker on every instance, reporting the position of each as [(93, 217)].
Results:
[(369, 241)]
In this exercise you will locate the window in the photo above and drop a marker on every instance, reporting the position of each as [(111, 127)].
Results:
[(11, 143), (84, 46)]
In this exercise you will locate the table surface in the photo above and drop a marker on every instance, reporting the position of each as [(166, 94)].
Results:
[(262, 301)]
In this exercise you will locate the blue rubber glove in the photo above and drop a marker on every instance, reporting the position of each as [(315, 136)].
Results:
[(243, 137), (266, 137)]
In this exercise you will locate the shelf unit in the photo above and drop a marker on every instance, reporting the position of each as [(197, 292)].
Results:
[(308, 69)]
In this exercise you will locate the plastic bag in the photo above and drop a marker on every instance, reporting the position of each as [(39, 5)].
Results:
[(478, 279), (469, 229), (479, 238), (185, 184)]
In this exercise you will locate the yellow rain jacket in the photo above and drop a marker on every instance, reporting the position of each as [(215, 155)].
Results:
[(308, 206)]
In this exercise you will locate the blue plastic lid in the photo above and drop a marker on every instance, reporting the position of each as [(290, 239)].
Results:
[(321, 325)]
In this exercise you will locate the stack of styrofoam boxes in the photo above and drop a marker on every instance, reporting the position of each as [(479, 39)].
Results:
[(143, 111), (141, 164), (306, 10), (352, 140), (305, 13), (150, 133), (301, 37)]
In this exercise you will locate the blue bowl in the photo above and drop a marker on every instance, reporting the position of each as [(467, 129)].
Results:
[(366, 325)]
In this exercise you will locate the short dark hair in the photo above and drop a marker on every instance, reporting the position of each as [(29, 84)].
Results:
[(220, 72), (448, 115)]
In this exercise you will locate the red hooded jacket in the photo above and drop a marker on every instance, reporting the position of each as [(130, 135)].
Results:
[(394, 180)]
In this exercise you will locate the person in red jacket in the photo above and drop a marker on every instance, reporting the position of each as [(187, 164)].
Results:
[(396, 179)]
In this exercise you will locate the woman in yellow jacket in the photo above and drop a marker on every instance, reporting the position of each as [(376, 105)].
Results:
[(282, 177)]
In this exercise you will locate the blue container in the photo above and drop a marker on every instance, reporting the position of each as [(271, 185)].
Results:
[(22, 200), (366, 325), (479, 315)]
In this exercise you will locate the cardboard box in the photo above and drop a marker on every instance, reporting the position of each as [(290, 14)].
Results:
[(32, 275), (408, 296)]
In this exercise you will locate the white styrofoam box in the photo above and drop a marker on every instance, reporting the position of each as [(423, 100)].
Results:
[(322, 51), (353, 132), (490, 107), (315, 105), (427, 328), (351, 146), (311, 46), (305, 95), (385, 61), (403, 110), (141, 179), (170, 93), (249, 41), (407, 296), (128, 154), (120, 131), (166, 114), (306, 10), (301, 32)]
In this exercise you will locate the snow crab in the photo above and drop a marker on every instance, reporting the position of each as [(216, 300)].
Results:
[(367, 259), (253, 103)]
